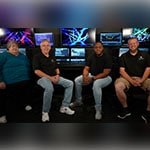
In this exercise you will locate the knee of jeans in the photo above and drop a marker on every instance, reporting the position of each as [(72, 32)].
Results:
[(49, 89), (71, 84)]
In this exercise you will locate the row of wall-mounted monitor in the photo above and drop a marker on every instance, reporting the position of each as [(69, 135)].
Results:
[(74, 53), (73, 37)]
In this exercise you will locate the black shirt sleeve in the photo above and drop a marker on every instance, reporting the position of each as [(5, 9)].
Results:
[(35, 63)]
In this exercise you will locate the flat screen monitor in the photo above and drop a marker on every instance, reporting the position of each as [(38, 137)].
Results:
[(24, 36), (62, 52), (77, 52), (142, 34), (41, 36), (62, 59), (77, 60), (3, 50), (144, 49), (22, 50), (78, 36), (123, 50), (111, 38)]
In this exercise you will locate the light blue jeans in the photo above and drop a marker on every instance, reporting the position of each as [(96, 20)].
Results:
[(97, 89), (48, 87)]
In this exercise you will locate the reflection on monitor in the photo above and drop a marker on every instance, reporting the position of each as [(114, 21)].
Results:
[(24, 36), (61, 52), (62, 60), (77, 60), (111, 38), (144, 49), (22, 50), (3, 50), (142, 34), (77, 52), (41, 36), (123, 50), (77, 36)]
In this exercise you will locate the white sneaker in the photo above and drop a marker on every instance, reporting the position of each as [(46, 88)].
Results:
[(28, 108), (66, 110), (45, 117), (98, 115), (3, 119)]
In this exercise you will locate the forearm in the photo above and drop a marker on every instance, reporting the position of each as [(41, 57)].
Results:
[(104, 74), (85, 72), (41, 74), (146, 74)]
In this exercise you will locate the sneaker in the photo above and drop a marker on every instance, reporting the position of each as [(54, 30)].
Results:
[(125, 113), (28, 108), (146, 117), (45, 117), (75, 104), (3, 119), (98, 115), (66, 110)]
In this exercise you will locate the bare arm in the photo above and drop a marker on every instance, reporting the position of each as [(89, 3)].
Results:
[(40, 73)]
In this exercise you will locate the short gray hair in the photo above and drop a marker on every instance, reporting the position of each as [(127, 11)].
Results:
[(10, 43)]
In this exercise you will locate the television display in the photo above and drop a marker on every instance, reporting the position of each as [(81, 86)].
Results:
[(78, 36), (123, 50), (77, 60), (142, 34), (62, 52), (22, 50), (111, 38), (41, 36), (77, 52), (24, 36), (2, 50), (144, 49)]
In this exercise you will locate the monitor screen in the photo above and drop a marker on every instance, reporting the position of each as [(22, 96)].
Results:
[(2, 50), (62, 52), (24, 36), (78, 36), (77, 60), (142, 34), (144, 49), (111, 38), (123, 50), (62, 59), (22, 50), (77, 52), (41, 36)]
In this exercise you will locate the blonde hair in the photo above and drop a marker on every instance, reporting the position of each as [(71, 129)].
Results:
[(11, 42)]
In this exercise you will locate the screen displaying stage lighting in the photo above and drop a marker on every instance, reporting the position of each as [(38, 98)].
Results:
[(24, 36), (77, 36)]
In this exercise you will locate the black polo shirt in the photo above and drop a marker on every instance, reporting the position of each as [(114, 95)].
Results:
[(135, 65), (46, 64), (98, 63)]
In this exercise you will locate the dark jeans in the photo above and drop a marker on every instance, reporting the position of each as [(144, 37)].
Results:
[(15, 98)]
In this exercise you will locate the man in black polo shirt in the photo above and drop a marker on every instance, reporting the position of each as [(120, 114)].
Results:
[(97, 70), (134, 71), (45, 67)]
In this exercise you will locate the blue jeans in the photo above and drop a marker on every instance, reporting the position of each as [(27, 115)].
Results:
[(97, 89), (48, 87)]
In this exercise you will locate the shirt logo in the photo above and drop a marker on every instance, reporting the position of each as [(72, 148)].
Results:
[(52, 60), (141, 58)]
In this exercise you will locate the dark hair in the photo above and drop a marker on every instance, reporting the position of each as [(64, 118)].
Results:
[(98, 42)]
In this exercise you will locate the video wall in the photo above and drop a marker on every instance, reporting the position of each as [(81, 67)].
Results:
[(73, 42)]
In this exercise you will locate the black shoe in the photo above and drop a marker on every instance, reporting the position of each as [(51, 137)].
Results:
[(125, 113), (146, 117)]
